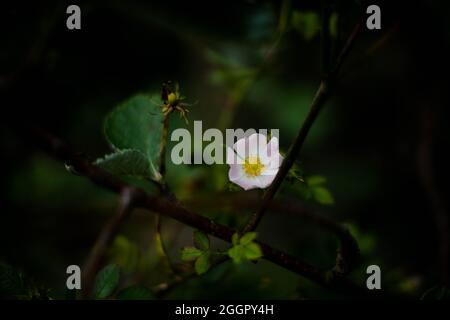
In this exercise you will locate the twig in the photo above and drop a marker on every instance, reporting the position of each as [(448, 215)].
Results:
[(348, 252), (161, 247), (174, 210), (319, 100), (164, 288), (163, 145), (105, 239)]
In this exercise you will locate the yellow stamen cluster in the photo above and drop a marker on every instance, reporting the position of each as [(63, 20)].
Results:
[(253, 166)]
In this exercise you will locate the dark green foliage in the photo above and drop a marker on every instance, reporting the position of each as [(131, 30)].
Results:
[(106, 281)]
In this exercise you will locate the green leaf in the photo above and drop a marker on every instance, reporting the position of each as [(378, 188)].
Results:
[(236, 253), (126, 163), (244, 248), (190, 253), (106, 281), (137, 124), (252, 251), (202, 263), (235, 239), (135, 293), (201, 240), (322, 195), (436, 293), (247, 238), (316, 180)]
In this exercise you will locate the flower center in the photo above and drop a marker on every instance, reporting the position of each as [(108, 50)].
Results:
[(253, 166)]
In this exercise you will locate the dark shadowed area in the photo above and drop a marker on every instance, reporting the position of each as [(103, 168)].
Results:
[(375, 160)]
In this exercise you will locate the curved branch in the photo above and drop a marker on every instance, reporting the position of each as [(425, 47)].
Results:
[(348, 252), (174, 210), (318, 102), (105, 239)]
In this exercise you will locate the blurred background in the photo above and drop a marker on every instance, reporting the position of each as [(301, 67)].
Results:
[(381, 141)]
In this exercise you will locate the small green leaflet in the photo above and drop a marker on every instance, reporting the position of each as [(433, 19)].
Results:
[(202, 263), (106, 281), (201, 240), (244, 248), (190, 253)]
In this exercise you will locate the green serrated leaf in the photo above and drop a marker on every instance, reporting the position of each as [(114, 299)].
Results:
[(106, 281), (190, 253), (137, 124), (252, 251), (202, 263), (201, 240), (322, 195), (135, 293), (316, 180), (247, 238), (236, 253), (126, 163)]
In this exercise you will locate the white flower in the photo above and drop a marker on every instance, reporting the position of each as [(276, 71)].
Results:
[(257, 162)]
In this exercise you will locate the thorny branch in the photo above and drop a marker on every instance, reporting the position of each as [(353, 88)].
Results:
[(174, 210), (347, 253), (318, 102), (160, 246)]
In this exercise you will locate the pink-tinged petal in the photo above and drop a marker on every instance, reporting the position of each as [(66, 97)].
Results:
[(267, 151), (231, 156), (246, 183), (269, 171), (265, 180), (275, 161), (273, 146), (235, 172), (240, 149), (257, 144)]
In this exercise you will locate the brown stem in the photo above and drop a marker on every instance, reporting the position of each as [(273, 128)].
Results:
[(105, 239), (319, 100), (161, 247), (163, 145), (348, 252), (176, 211)]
